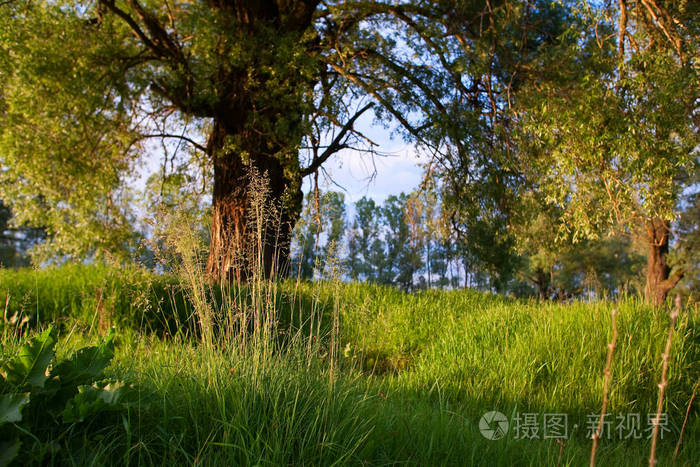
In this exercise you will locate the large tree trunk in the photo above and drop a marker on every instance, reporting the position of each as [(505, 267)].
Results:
[(255, 205), (256, 133), (659, 281)]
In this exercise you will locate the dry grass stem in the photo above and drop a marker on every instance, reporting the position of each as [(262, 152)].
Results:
[(685, 421), (606, 386), (664, 382)]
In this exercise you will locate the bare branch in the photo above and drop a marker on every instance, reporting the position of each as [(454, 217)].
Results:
[(387, 105), (184, 138), (337, 144)]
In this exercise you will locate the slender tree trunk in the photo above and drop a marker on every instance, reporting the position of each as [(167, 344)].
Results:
[(430, 279), (542, 282), (659, 281), (467, 281)]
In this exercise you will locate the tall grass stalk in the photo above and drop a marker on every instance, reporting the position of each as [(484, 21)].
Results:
[(606, 387), (664, 381), (242, 311), (685, 421), (189, 270)]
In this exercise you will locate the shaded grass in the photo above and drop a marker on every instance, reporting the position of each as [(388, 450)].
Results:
[(127, 297), (418, 372)]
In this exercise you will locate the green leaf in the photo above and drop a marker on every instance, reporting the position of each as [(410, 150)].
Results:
[(11, 407), (92, 400), (31, 364), (8, 451), (86, 365)]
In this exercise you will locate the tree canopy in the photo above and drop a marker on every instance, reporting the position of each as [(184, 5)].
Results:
[(276, 86), (612, 130), (528, 110)]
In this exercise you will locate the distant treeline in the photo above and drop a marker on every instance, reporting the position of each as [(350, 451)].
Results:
[(407, 241)]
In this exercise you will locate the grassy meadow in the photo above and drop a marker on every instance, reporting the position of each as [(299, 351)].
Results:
[(333, 373)]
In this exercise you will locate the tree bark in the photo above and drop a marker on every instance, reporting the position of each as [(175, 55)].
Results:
[(255, 205), (257, 194), (659, 280), (542, 281)]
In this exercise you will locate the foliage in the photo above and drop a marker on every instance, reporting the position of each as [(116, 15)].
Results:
[(91, 82), (606, 126), (169, 198), (398, 394), (480, 178), (383, 243), (63, 159), (365, 253), (319, 233), (40, 395), (408, 242), (687, 250), (403, 252), (558, 267), (620, 145)]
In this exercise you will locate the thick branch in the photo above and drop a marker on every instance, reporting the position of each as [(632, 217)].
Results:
[(622, 28), (182, 137), (337, 144), (673, 280), (667, 29), (133, 25), (160, 36)]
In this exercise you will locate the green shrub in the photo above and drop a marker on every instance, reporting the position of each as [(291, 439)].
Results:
[(40, 396)]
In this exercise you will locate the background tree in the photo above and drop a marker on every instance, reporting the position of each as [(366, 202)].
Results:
[(615, 133), (319, 231), (421, 216), (366, 252), (686, 254), (479, 176), (60, 155), (404, 239), (559, 268), (353, 261)]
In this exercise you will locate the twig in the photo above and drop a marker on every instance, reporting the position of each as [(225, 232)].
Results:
[(181, 137), (664, 382), (561, 451), (606, 386), (685, 422)]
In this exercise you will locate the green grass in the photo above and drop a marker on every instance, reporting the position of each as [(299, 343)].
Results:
[(411, 376)]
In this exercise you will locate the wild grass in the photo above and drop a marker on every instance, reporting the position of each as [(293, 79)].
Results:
[(356, 373)]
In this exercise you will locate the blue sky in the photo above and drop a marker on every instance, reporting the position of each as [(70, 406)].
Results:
[(398, 171), (353, 172)]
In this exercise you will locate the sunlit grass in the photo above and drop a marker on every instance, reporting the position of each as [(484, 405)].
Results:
[(413, 375)]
